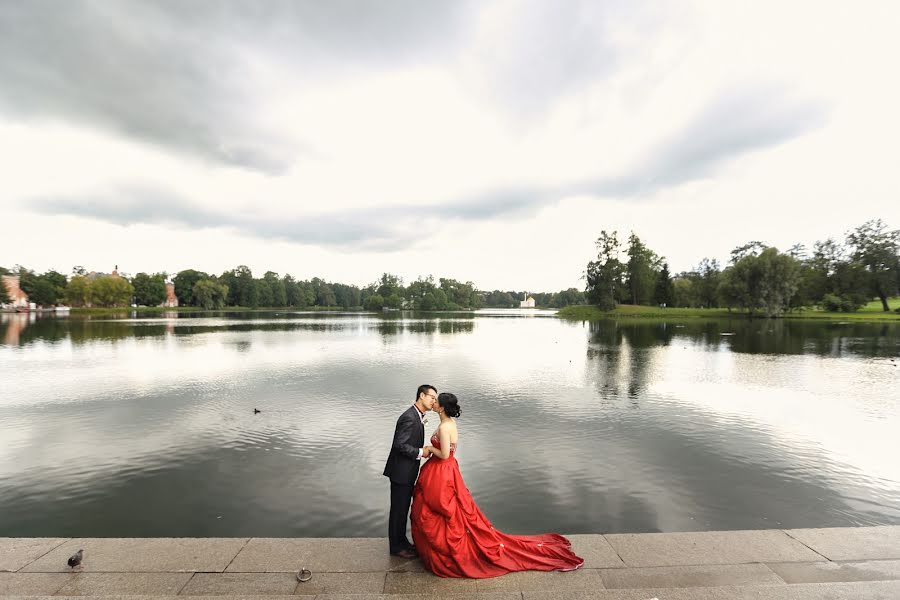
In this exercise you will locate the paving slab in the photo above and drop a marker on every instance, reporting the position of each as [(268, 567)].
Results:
[(425, 583), (15, 553), (878, 590), (709, 548), (869, 590), (103, 584), (852, 543), (326, 555), (223, 584), (342, 583), (152, 597), (693, 576), (452, 596), (407, 566), (823, 572), (582, 579), (132, 555), (32, 583), (596, 551), (425, 596)]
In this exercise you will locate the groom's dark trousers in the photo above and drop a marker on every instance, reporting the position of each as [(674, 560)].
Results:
[(403, 468)]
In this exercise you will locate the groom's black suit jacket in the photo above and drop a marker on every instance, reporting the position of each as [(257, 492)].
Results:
[(409, 437)]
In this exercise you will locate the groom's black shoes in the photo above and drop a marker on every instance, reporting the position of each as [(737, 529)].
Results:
[(408, 554)]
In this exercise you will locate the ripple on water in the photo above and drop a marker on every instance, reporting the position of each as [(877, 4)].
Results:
[(644, 430)]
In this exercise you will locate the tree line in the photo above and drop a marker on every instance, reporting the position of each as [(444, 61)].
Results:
[(239, 288), (835, 275)]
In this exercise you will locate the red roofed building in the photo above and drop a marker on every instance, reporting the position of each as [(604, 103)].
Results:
[(17, 298)]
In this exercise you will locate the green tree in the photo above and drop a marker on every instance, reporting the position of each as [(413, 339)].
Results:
[(604, 275), (298, 293), (276, 294), (441, 302), (346, 296), (109, 291), (264, 293), (878, 250), (831, 273), (210, 294), (59, 282), (640, 273), (389, 285), (709, 275), (307, 293), (684, 294), (291, 290), (459, 295), (374, 302), (27, 281), (4, 293), (665, 291), (230, 280), (78, 291), (323, 293), (420, 293), (184, 285), (761, 283), (754, 248), (149, 290), (567, 297), (43, 290), (242, 288), (500, 299)]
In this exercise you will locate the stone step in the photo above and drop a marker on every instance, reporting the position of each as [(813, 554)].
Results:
[(417, 581), (868, 590)]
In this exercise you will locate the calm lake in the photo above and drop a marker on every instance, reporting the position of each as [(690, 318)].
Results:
[(144, 425)]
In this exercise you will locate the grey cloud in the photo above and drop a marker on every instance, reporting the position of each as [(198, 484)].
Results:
[(546, 52), (170, 72), (140, 204), (374, 229), (729, 127), (732, 125)]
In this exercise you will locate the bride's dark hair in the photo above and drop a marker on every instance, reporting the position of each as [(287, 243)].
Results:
[(450, 404)]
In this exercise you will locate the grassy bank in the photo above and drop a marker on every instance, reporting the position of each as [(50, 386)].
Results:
[(870, 312)]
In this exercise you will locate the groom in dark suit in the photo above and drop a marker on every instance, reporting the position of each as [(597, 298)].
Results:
[(402, 467)]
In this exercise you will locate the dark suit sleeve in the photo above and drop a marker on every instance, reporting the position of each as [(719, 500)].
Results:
[(403, 435)]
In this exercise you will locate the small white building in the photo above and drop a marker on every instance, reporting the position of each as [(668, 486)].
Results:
[(528, 302)]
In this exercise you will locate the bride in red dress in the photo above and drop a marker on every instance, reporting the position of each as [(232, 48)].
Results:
[(453, 537)]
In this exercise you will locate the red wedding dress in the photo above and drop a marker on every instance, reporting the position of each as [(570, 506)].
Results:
[(454, 538)]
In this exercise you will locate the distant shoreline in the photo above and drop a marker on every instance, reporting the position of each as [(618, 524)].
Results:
[(650, 313), (569, 313)]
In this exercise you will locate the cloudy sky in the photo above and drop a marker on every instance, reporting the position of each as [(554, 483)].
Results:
[(488, 141)]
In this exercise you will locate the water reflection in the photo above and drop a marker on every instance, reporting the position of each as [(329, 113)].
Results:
[(606, 427), (23, 329)]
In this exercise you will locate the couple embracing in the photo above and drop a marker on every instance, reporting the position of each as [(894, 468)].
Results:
[(451, 535)]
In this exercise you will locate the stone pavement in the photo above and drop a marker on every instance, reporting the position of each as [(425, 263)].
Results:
[(800, 564)]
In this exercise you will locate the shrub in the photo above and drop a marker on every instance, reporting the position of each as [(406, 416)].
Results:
[(834, 303)]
